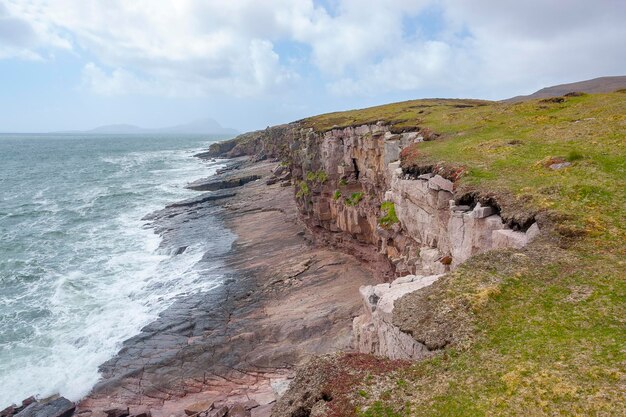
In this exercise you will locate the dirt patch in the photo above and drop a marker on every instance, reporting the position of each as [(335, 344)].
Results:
[(327, 386)]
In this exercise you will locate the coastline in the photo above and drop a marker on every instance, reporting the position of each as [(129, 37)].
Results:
[(286, 298), (471, 271)]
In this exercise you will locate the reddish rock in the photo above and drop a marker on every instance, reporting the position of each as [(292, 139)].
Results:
[(238, 410), (262, 411), (59, 407), (250, 404), (9, 411), (199, 407), (28, 401), (219, 412), (117, 412)]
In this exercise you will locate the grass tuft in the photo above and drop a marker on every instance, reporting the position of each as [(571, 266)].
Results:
[(573, 156), (304, 190), (389, 217), (354, 199)]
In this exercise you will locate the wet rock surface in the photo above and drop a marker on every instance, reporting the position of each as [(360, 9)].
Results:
[(282, 299), (50, 407), (221, 182)]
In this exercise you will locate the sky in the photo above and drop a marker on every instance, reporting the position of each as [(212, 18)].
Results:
[(78, 64)]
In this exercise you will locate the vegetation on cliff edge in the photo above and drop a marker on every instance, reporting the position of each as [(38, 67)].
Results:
[(538, 331)]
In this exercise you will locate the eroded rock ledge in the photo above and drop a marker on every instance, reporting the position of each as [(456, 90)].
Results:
[(346, 182)]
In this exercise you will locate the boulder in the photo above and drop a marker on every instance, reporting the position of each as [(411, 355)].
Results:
[(440, 183), (481, 212), (9, 411), (238, 410), (198, 407), (218, 412), (532, 232), (180, 250), (117, 412), (60, 407), (278, 171), (374, 332), (506, 238), (28, 401)]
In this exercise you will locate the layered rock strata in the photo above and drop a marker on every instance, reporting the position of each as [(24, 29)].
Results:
[(342, 177), (283, 300), (374, 331)]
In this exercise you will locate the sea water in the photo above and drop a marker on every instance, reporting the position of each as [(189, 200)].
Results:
[(79, 270)]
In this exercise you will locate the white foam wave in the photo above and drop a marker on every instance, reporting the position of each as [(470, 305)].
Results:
[(101, 288)]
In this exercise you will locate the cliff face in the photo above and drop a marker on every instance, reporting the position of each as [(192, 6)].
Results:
[(348, 180), (350, 187), (558, 162)]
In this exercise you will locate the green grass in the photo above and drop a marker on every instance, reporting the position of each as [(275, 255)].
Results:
[(378, 409), (317, 176), (304, 190), (389, 217), (548, 323), (354, 199), (402, 116)]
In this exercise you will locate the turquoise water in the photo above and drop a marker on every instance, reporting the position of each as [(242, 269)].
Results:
[(79, 270)]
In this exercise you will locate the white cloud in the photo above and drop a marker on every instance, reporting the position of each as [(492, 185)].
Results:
[(117, 82), (196, 47), (20, 38), (177, 47)]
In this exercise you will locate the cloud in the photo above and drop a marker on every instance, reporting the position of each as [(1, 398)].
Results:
[(16, 36), (170, 48), (356, 47), (257, 71), (23, 38), (483, 47)]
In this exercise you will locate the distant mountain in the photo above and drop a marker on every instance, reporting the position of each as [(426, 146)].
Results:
[(200, 126), (596, 85), (121, 128), (206, 126)]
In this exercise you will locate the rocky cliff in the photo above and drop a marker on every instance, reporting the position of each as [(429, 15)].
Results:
[(427, 192), (352, 189)]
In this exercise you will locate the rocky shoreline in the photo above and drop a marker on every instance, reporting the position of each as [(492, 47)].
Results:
[(235, 348), (306, 276)]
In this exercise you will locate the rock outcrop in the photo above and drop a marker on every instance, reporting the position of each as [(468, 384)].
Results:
[(374, 331), (346, 183), (221, 183), (50, 407)]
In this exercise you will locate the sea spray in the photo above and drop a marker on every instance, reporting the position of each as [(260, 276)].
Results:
[(80, 271)]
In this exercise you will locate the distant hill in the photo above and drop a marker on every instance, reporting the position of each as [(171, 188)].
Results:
[(206, 126), (596, 85), (121, 128)]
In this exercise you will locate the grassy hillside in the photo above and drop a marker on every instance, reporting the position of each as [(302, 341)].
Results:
[(546, 325)]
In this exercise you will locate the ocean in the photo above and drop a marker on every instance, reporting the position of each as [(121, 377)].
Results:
[(80, 271)]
